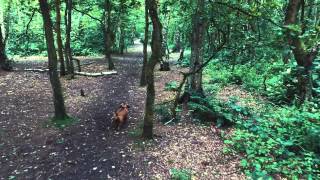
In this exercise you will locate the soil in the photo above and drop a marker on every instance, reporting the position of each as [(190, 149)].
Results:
[(31, 148), (89, 149)]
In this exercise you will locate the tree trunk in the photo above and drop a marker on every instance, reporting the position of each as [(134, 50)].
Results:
[(122, 40), (68, 51), (197, 41), (59, 39), (303, 57), (177, 45), (156, 47), (143, 81), (181, 56), (4, 33), (122, 15), (60, 112), (3, 56), (107, 34)]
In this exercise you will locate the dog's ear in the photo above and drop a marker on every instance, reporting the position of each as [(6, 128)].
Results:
[(126, 105), (114, 116)]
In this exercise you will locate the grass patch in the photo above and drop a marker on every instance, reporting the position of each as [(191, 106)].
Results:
[(136, 132), (171, 86), (62, 123), (180, 174), (139, 142)]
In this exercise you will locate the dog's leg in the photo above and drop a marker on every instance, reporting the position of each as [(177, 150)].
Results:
[(121, 122)]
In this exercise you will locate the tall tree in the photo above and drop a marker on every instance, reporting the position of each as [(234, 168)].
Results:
[(302, 55), (59, 39), (4, 61), (156, 46), (108, 33), (3, 55), (60, 111), (122, 16), (68, 50), (199, 25), (143, 81)]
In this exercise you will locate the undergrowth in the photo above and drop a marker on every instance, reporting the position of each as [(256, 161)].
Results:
[(282, 141), (62, 123), (276, 139), (180, 174)]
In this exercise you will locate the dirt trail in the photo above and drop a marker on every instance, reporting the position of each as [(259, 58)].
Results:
[(87, 149), (30, 149)]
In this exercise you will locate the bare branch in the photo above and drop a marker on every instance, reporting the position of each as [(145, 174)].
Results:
[(28, 24), (87, 14)]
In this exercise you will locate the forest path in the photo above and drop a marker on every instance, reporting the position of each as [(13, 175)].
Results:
[(32, 149), (85, 150)]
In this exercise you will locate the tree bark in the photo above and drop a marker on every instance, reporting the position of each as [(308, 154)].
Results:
[(122, 40), (156, 46), (68, 51), (122, 14), (59, 39), (60, 111), (4, 33), (143, 81), (107, 33), (303, 57), (3, 56), (197, 41)]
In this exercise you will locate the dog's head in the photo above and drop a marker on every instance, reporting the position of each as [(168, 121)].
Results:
[(124, 106)]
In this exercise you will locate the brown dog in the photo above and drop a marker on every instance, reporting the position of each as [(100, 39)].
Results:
[(120, 116)]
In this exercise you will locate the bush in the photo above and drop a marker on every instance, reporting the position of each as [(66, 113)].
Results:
[(163, 112), (171, 86), (281, 141), (180, 174)]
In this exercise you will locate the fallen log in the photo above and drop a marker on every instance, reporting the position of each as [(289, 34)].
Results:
[(77, 73), (36, 70), (88, 63), (96, 74)]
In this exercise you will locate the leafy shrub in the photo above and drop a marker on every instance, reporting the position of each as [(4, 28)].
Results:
[(223, 114), (163, 112), (171, 86), (180, 174), (283, 141), (265, 78)]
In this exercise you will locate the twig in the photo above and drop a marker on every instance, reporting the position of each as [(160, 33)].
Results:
[(168, 122)]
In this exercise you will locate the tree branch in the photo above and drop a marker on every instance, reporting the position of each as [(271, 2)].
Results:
[(28, 24), (247, 13), (186, 75), (87, 14)]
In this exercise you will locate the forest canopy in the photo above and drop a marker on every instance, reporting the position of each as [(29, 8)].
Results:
[(246, 70)]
